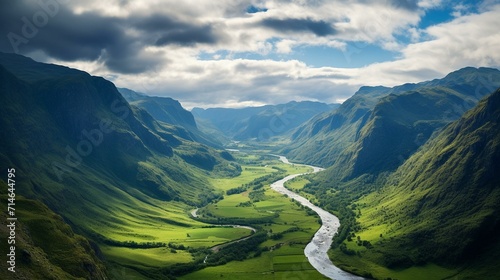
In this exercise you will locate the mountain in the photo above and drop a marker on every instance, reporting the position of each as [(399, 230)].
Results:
[(260, 123), (109, 169), (442, 205), (170, 112), (378, 128), (46, 246), (320, 140)]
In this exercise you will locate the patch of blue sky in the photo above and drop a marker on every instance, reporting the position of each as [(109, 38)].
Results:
[(253, 9), (446, 13), (355, 55)]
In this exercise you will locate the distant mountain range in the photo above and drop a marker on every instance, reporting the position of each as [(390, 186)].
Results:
[(259, 123)]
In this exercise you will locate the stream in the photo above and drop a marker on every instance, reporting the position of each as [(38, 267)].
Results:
[(317, 250)]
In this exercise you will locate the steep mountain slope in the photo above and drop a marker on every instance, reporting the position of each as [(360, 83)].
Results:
[(46, 247), (260, 123), (110, 169), (170, 112), (321, 139), (443, 204), (378, 128)]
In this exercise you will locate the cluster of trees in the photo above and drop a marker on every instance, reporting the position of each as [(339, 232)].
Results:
[(236, 190), (258, 183), (257, 195), (237, 251), (232, 169), (209, 197), (343, 248), (239, 221), (338, 202), (279, 235), (244, 204), (129, 243), (134, 244)]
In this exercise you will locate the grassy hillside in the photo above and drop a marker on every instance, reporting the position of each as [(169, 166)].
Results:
[(320, 140), (46, 247), (378, 128), (113, 172), (440, 207)]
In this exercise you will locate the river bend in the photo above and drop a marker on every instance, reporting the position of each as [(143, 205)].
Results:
[(317, 250)]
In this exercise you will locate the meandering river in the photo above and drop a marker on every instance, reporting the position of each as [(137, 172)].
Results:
[(317, 250), (194, 213)]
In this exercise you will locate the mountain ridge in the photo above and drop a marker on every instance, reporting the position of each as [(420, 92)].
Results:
[(80, 149), (371, 106), (441, 205), (170, 111), (260, 123)]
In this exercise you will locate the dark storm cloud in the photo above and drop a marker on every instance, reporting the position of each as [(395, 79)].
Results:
[(27, 26), (171, 31), (188, 36), (59, 33), (319, 28), (410, 5)]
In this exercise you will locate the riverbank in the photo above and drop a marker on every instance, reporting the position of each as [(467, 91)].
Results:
[(317, 250)]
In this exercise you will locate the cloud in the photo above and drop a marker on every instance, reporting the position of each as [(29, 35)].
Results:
[(66, 36), (319, 28), (253, 9), (88, 36), (188, 36), (192, 50), (169, 30), (465, 41)]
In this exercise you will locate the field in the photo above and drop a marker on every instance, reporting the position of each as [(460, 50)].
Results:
[(151, 236), (289, 229)]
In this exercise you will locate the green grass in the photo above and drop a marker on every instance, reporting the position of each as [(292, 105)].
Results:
[(50, 247), (248, 173), (287, 259), (362, 266), (296, 184), (145, 258), (255, 268)]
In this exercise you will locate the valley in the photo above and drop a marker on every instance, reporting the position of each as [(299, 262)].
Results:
[(243, 140), (137, 187), (288, 226), (279, 251)]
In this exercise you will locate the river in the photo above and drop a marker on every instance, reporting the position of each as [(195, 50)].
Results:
[(216, 248), (317, 250)]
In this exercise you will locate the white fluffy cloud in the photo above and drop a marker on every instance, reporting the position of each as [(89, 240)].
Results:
[(189, 47)]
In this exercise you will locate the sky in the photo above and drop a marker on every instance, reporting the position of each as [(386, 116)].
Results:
[(231, 53)]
